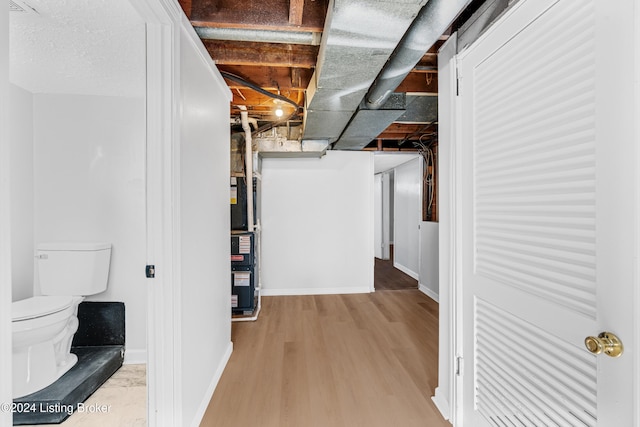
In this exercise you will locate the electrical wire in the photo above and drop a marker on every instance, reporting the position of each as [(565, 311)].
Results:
[(263, 91), (428, 177), (418, 132)]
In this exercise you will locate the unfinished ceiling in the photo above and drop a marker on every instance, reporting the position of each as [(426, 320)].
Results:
[(92, 47), (338, 60)]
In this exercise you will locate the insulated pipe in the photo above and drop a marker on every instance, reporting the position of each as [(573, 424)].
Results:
[(432, 21), (264, 36), (244, 117)]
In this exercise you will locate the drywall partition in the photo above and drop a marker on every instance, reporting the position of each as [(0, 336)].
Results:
[(89, 185), (428, 282), (205, 270), (407, 217), (21, 140), (317, 217)]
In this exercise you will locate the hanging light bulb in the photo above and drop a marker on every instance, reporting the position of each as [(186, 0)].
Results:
[(279, 112)]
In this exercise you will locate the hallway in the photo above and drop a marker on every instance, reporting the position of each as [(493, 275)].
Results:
[(389, 278), (333, 360)]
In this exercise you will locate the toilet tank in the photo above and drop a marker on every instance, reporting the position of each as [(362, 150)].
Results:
[(73, 268)]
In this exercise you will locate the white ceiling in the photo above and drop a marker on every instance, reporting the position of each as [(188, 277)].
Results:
[(89, 47), (385, 162)]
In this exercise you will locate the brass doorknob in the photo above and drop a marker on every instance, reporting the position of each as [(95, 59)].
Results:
[(607, 343)]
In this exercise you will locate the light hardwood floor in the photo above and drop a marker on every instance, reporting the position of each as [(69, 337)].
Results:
[(331, 361)]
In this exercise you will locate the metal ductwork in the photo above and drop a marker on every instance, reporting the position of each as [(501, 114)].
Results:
[(429, 25), (481, 19), (358, 38), (349, 100), (378, 109)]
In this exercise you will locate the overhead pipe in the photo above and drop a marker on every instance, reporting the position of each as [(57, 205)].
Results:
[(253, 122), (432, 21), (264, 36)]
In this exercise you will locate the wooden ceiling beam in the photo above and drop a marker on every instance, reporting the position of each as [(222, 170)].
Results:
[(263, 54), (263, 14), (186, 7), (419, 82), (271, 78), (296, 9), (399, 131)]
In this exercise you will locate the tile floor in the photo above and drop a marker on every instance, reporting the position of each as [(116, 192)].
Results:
[(125, 396)]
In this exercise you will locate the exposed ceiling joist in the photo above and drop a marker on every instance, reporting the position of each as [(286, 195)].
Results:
[(275, 44), (271, 78), (271, 14), (296, 9), (264, 54), (186, 6)]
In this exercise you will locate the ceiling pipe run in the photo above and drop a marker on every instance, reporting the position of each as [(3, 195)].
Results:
[(263, 36), (432, 21)]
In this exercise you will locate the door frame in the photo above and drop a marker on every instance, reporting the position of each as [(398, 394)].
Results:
[(454, 254), (163, 20), (636, 297), (6, 417)]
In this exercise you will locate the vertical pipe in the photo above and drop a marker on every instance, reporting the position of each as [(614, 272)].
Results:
[(244, 117)]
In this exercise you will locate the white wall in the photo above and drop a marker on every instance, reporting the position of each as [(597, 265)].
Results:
[(89, 163), (21, 139), (428, 282), (205, 289), (407, 217), (5, 221), (317, 217)]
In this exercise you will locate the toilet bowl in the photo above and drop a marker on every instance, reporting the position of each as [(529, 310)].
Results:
[(43, 326), (42, 331)]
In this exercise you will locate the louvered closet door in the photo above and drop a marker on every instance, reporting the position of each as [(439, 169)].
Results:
[(547, 215)]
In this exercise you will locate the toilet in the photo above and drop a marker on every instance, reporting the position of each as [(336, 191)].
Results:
[(43, 326)]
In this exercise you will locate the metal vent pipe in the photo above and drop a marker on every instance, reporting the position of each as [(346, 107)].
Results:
[(432, 21)]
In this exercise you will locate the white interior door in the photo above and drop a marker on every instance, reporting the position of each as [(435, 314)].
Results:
[(549, 216), (377, 216), (387, 209)]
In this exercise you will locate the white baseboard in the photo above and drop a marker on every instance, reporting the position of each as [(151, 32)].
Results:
[(406, 270), (135, 357), (202, 408), (315, 291), (442, 404), (428, 292)]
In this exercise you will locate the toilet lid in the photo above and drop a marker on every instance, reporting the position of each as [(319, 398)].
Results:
[(39, 306)]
